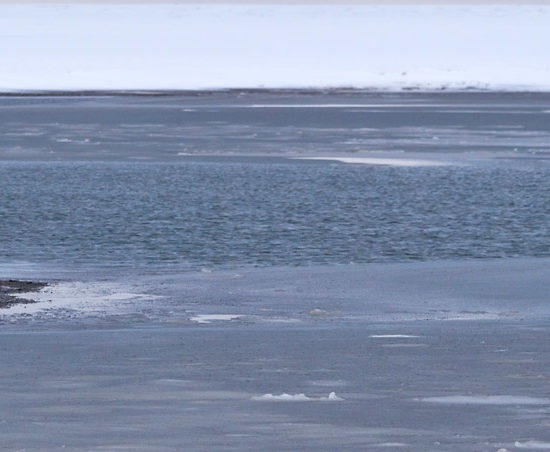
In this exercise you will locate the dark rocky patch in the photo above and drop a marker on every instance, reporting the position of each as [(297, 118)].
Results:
[(10, 288)]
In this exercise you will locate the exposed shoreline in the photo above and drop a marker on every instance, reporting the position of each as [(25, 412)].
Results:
[(10, 288)]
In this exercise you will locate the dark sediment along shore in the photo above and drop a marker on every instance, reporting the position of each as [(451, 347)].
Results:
[(9, 289)]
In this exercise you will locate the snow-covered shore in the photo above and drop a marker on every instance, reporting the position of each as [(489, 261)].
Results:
[(165, 47)]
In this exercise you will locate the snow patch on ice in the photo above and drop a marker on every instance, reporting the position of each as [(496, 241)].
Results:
[(318, 312), (380, 161), (80, 296), (284, 397), (209, 318), (487, 400)]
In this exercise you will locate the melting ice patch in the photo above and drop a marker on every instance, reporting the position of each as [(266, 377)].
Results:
[(487, 400), (380, 161), (106, 297), (284, 397)]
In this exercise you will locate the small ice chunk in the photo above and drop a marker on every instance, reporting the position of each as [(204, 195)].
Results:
[(284, 397), (332, 396)]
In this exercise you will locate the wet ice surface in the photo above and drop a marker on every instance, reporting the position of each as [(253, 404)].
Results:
[(440, 126), (249, 360), (197, 388), (393, 292)]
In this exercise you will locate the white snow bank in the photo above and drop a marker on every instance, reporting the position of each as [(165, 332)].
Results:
[(332, 397), (163, 46), (488, 400)]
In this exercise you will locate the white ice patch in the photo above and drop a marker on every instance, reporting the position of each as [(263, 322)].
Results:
[(318, 312), (487, 400), (332, 397), (537, 445), (80, 296), (209, 318), (380, 161)]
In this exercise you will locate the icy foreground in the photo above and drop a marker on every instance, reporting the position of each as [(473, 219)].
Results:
[(163, 47), (472, 387)]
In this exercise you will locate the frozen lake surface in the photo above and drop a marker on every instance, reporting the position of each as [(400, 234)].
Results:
[(276, 271), (458, 386)]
